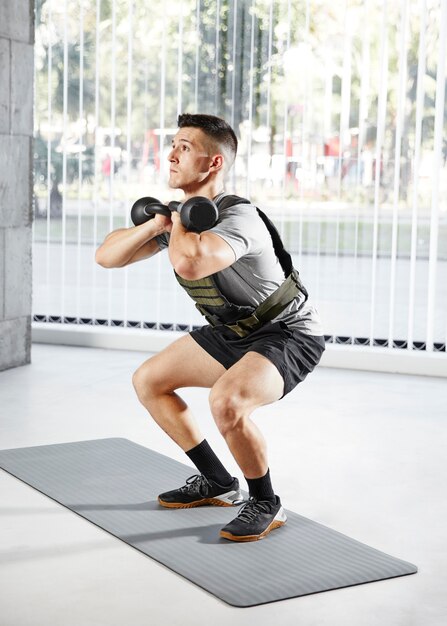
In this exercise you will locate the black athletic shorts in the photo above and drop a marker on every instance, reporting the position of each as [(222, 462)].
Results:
[(293, 353)]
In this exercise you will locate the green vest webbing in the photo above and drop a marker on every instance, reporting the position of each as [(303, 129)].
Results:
[(245, 319)]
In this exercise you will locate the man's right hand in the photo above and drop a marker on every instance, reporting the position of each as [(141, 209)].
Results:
[(163, 223)]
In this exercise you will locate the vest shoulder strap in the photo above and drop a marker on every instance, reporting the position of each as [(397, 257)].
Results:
[(283, 256), (226, 201)]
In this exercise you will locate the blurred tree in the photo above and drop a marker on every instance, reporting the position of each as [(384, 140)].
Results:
[(275, 56)]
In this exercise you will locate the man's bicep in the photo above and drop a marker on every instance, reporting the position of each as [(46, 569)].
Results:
[(217, 254)]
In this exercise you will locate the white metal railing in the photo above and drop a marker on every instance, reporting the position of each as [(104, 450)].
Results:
[(342, 121)]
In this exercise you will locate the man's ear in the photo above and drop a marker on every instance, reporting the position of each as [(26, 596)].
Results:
[(217, 163)]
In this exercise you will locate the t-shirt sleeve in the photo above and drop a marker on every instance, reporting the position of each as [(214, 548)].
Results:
[(162, 240), (236, 226), (239, 226)]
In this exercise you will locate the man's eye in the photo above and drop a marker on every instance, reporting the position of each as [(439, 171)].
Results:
[(185, 149)]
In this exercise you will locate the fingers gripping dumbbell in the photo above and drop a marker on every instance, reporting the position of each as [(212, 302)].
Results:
[(197, 214)]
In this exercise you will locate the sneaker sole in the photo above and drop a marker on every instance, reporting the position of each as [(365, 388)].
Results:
[(231, 537), (276, 523), (192, 505)]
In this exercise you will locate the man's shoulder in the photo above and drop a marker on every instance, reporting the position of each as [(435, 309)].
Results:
[(232, 206), (240, 215)]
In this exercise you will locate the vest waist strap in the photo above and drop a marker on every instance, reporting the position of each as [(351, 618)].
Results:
[(272, 306)]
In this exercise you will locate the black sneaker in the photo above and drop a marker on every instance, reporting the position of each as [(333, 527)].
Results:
[(255, 520), (201, 491)]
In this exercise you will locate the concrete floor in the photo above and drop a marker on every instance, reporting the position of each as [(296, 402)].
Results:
[(363, 453)]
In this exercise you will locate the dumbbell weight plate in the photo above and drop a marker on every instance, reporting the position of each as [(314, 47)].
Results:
[(198, 214), (145, 209)]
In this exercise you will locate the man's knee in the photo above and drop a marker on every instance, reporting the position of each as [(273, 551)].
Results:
[(147, 381), (140, 381), (227, 409)]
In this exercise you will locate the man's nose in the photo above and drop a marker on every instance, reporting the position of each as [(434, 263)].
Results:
[(172, 155)]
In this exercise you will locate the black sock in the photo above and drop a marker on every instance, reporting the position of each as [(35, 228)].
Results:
[(261, 488), (208, 464)]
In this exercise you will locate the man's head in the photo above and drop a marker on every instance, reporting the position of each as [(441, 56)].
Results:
[(203, 150), (219, 133)]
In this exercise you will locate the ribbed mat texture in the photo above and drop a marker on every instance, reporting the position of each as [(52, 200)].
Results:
[(114, 483)]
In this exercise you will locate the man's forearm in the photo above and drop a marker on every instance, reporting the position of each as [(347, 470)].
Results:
[(121, 245)]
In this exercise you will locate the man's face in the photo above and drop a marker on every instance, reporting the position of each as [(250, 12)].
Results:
[(190, 158)]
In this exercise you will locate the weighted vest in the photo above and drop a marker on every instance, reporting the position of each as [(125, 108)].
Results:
[(243, 320)]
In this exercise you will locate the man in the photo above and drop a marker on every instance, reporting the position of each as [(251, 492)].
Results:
[(244, 369)]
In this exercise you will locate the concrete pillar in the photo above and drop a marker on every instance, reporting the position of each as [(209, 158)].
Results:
[(16, 179)]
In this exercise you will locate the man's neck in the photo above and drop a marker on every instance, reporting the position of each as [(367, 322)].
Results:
[(210, 189)]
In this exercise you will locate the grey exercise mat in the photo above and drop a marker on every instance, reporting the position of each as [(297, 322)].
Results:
[(114, 483)]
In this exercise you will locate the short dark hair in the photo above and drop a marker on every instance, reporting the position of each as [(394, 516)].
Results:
[(215, 127)]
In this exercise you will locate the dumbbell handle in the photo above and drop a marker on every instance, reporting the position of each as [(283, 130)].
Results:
[(175, 205), (197, 214)]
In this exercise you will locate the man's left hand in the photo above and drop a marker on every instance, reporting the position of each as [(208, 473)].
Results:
[(175, 218)]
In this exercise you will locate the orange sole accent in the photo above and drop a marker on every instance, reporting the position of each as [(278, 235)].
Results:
[(193, 505), (273, 525)]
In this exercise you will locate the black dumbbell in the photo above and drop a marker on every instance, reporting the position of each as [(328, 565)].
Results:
[(145, 209), (197, 214)]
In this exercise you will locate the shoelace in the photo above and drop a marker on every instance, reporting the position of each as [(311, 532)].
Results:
[(195, 483), (251, 509)]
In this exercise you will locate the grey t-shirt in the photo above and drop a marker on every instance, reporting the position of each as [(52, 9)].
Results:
[(256, 272)]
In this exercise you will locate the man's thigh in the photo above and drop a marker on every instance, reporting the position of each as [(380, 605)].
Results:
[(251, 382), (182, 364)]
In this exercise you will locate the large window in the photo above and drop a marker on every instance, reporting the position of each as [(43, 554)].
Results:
[(340, 110)]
